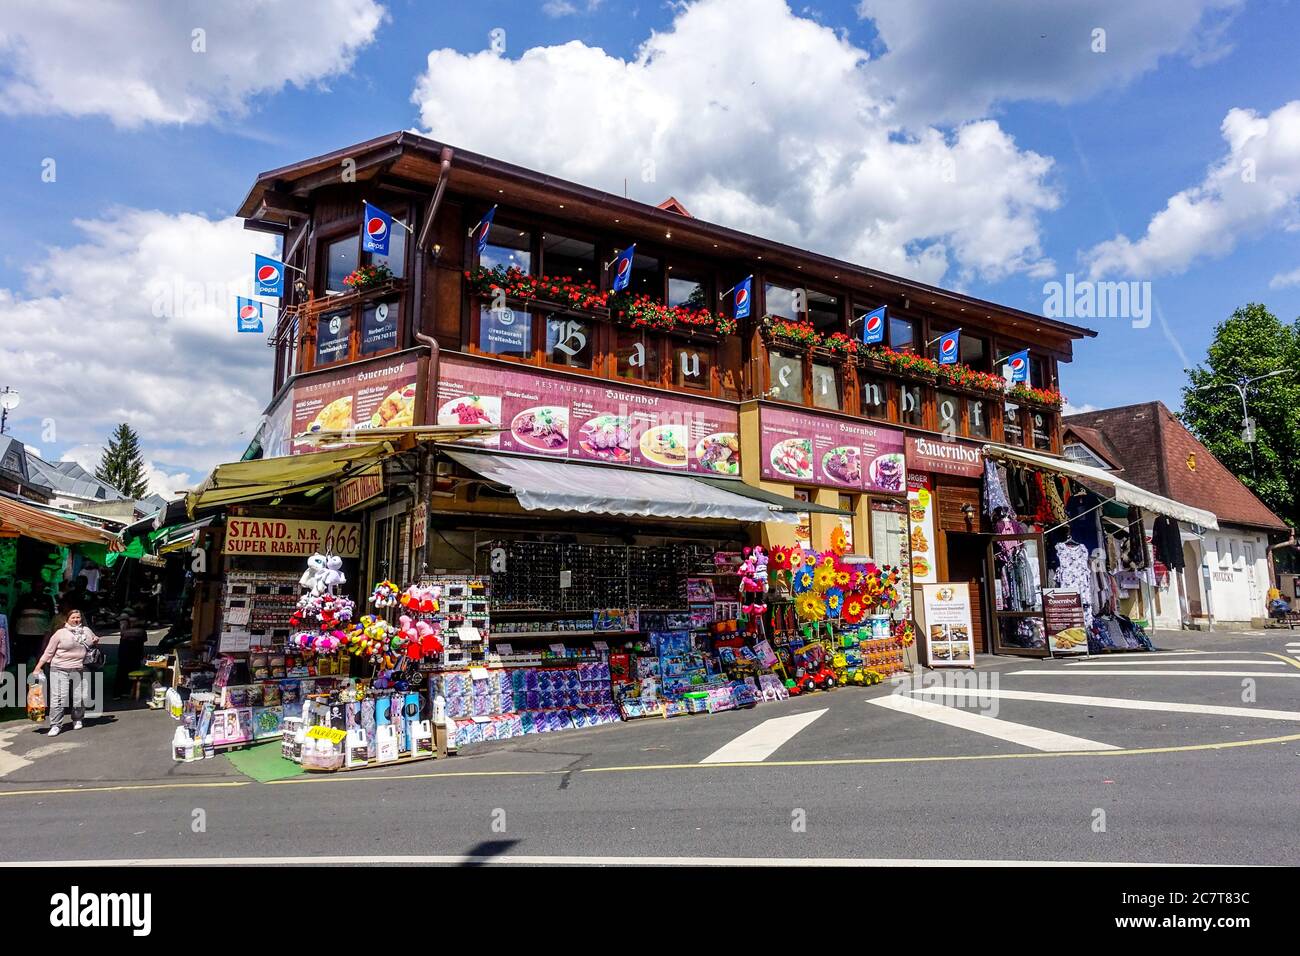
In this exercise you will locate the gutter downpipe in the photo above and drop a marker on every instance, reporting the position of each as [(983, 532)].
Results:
[(424, 487)]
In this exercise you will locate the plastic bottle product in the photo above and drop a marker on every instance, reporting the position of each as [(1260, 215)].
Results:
[(209, 748), (181, 744)]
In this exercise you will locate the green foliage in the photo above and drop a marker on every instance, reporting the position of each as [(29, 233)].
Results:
[(1251, 342), (122, 464)]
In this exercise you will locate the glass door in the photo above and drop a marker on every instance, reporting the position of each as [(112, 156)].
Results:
[(1017, 570)]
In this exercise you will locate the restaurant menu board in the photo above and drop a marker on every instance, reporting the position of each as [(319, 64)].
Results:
[(588, 421), (920, 528), (375, 394), (835, 452), (1067, 634), (947, 627)]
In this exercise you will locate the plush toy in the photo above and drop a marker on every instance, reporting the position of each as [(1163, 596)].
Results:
[(313, 579), (333, 576), (753, 581), (384, 595), (421, 600)]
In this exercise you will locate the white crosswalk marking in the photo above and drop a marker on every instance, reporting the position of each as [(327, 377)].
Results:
[(1119, 703), (1192, 663), (1146, 673), (762, 741), (1032, 737)]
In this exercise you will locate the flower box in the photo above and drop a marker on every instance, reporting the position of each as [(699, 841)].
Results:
[(1021, 393), (963, 378), (799, 336), (907, 364)]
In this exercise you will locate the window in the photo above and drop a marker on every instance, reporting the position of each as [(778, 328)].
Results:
[(902, 334), (785, 376), (1012, 431), (826, 386), (574, 258), (781, 301), (379, 327), (1038, 376), (973, 351), (949, 408), (692, 365), (507, 248), (636, 359), (824, 311), (1084, 456), (875, 398), (506, 332), (1041, 429), (396, 258), (570, 342), (848, 503), (977, 421), (889, 543), (686, 292), (647, 277), (911, 411), (333, 337), (341, 260)]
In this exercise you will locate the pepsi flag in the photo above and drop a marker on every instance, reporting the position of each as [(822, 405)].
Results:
[(948, 347), (480, 238), (873, 326), (1018, 362), (248, 315), (744, 290), (376, 229), (623, 268), (268, 276)]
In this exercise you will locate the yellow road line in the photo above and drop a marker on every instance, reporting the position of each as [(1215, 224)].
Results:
[(1290, 660), (127, 786)]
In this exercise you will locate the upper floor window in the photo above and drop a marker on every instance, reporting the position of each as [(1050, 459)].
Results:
[(692, 365), (825, 386), (647, 277), (973, 351), (1041, 427), (342, 256), (575, 258), (786, 376), (636, 357), (824, 312), (506, 331), (911, 408), (396, 258), (507, 248), (902, 334), (685, 291), (875, 398), (1013, 433), (781, 301), (977, 418), (333, 337), (570, 341), (949, 409)]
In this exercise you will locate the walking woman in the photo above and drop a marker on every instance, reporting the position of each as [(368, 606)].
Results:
[(69, 678)]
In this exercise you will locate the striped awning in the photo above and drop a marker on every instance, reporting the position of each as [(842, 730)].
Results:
[(21, 518)]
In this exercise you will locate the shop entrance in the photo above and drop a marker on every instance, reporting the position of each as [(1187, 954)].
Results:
[(966, 563)]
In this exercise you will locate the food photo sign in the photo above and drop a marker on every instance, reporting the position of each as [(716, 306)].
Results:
[(834, 452), (593, 421)]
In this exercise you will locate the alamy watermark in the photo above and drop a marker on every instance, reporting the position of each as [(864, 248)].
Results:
[(1085, 299)]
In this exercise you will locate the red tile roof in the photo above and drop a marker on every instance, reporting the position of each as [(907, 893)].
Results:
[(1160, 455)]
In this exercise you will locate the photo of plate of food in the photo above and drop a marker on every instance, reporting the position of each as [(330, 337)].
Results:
[(793, 458), (887, 472), (607, 437), (542, 428), (665, 445), (843, 465), (396, 410), (470, 410), (335, 416), (719, 453)]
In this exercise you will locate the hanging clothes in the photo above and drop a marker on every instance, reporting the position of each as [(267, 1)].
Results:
[(1055, 505), (1018, 491), (1082, 511), (995, 492), (1042, 511), (1167, 541), (1074, 574)]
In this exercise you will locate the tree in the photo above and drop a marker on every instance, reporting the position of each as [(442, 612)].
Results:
[(1251, 342), (122, 464)]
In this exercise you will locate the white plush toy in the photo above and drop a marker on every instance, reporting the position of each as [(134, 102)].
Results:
[(333, 576), (313, 579)]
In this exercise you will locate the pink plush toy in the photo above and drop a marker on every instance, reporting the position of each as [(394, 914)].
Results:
[(753, 580)]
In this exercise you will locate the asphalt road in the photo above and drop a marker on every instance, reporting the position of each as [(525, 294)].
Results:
[(859, 781)]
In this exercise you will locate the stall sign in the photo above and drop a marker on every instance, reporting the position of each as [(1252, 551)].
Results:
[(920, 525), (948, 631), (944, 457), (577, 419), (817, 449), (378, 393), (1067, 635), (356, 491), (291, 538)]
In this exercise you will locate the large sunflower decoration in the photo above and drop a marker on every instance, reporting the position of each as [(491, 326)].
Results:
[(803, 581), (834, 603), (778, 559), (839, 540), (810, 607), (855, 608)]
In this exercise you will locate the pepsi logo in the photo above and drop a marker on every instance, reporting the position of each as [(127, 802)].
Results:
[(949, 346), (268, 274), (624, 266), (248, 312), (1017, 365), (376, 228), (742, 296)]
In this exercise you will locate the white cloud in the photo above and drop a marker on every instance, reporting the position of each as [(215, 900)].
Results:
[(136, 324), (788, 140), (160, 480), (1071, 409), (1253, 188), (566, 8), (949, 60), (1285, 280), (136, 62)]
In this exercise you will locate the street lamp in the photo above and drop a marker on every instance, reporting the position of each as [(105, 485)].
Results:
[(1243, 383), (9, 399)]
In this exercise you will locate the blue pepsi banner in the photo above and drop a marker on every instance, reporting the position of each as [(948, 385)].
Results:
[(268, 276), (481, 237), (248, 315), (744, 291), (623, 268), (1018, 362), (948, 347), (376, 229), (873, 326)]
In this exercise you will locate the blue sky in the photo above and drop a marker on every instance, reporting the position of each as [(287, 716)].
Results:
[(1096, 144)]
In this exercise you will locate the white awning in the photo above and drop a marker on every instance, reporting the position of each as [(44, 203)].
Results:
[(1124, 492), (591, 489)]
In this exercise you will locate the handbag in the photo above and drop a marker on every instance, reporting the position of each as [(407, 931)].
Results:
[(94, 658)]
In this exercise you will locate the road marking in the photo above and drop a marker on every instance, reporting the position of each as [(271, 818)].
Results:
[(1021, 734), (762, 741), (1120, 703), (124, 787), (512, 859), (1146, 673), (1146, 663)]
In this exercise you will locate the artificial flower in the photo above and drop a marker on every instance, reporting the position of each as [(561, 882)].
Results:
[(796, 559), (824, 577), (839, 540), (810, 607), (778, 558), (855, 608), (803, 581), (834, 602)]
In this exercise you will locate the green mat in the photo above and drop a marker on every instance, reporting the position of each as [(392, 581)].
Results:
[(263, 762)]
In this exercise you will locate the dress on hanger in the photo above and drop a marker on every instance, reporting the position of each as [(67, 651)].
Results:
[(1073, 574)]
